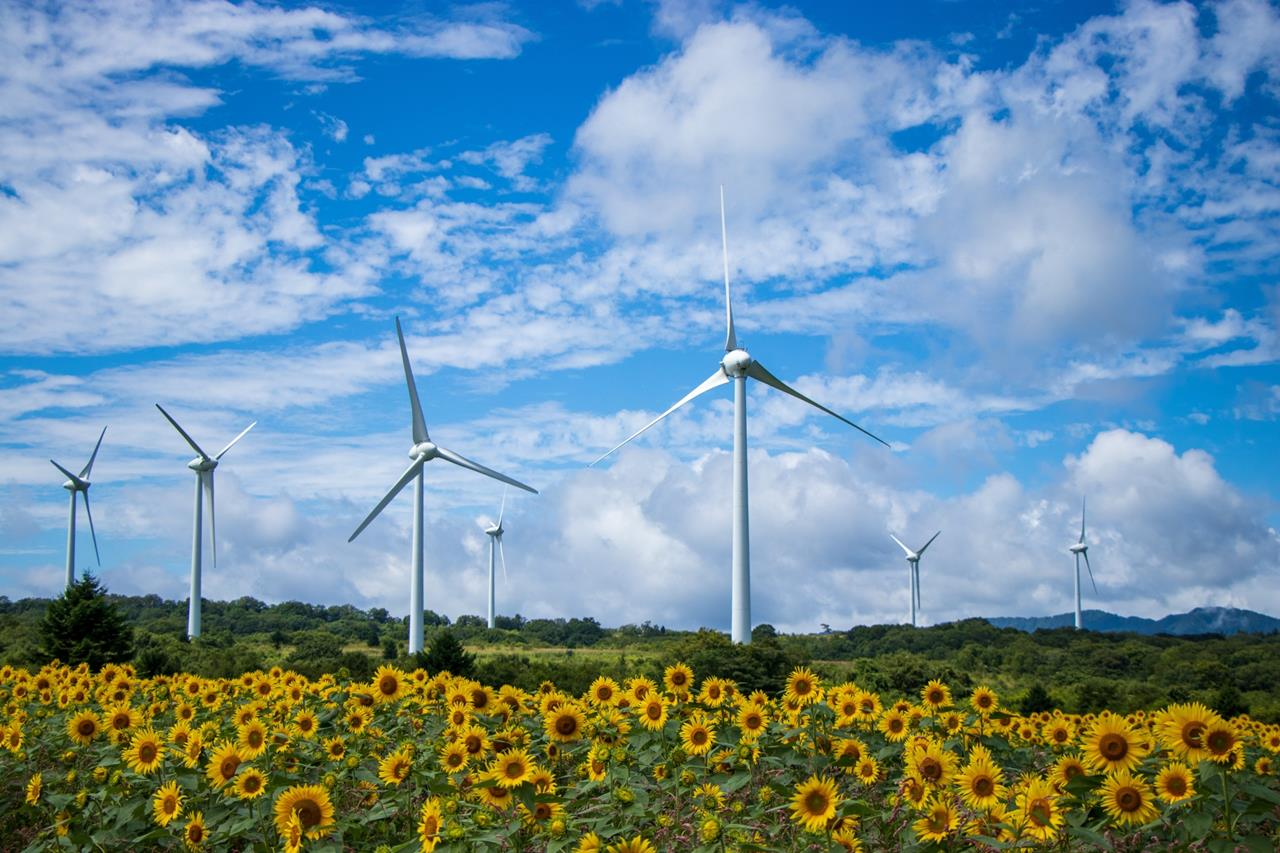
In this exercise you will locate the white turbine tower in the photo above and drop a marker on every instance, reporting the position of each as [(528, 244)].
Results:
[(422, 452), (77, 483), (736, 366), (1082, 550), (204, 466), (913, 571), (494, 532)]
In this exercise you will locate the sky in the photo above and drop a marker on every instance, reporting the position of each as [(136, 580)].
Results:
[(1034, 248)]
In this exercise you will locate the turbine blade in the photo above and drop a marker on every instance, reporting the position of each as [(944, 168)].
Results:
[(390, 495), (503, 508), (904, 548), (503, 554), (88, 468), (191, 441), (464, 462), (1090, 568), (92, 532), (233, 441), (930, 542), (72, 477), (758, 371), (730, 339), (207, 478), (419, 423), (715, 380), (1082, 508)]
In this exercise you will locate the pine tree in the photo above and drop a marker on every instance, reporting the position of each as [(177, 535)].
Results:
[(82, 626), (446, 654)]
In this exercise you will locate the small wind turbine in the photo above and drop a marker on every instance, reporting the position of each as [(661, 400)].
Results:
[(494, 532), (204, 466), (75, 484), (422, 452), (913, 571), (1082, 550), (736, 366)]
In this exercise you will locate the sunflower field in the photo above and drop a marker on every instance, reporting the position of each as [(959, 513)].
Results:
[(427, 761)]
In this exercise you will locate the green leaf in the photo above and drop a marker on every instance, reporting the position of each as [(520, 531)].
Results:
[(1086, 834)]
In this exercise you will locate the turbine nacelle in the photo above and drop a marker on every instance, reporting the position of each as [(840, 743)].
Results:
[(424, 450), (494, 530), (913, 559), (1078, 548), (735, 363), (76, 485), (201, 464)]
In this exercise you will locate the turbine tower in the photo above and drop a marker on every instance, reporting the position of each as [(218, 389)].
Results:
[(494, 532), (736, 366), (422, 452), (913, 571), (1082, 550), (204, 466), (75, 484)]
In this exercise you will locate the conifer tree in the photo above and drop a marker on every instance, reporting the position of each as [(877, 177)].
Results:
[(82, 626)]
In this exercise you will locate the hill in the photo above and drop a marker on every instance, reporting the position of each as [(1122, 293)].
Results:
[(1201, 620)]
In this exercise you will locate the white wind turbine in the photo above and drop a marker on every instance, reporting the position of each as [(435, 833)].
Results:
[(422, 452), (913, 571), (75, 484), (736, 366), (204, 466), (1082, 550), (494, 532)]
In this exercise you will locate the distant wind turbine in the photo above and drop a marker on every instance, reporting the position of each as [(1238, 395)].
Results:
[(77, 483), (494, 532), (913, 569), (736, 366), (422, 452), (204, 466), (1082, 550)]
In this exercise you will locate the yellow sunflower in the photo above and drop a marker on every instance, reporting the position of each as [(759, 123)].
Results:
[(195, 834), (652, 712), (305, 724), (454, 757), (395, 768), (1181, 729), (979, 784), (429, 823), (814, 803), (251, 783), (931, 764), (589, 843), (752, 721), (697, 736), (1128, 799), (167, 803), (938, 822), (678, 679), (1038, 814), (512, 768), (252, 738), (313, 807), (335, 748), (1112, 745), (84, 727), (145, 752), (936, 695), (984, 700), (1175, 783), (495, 796), (1220, 742), (893, 725), (223, 763), (474, 738), (867, 770), (388, 684), (34, 786), (565, 723), (638, 844), (803, 686), (1065, 769), (603, 691)]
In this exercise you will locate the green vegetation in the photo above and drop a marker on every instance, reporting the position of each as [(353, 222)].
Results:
[(1076, 671)]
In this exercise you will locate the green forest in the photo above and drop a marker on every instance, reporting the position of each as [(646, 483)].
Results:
[(1078, 671)]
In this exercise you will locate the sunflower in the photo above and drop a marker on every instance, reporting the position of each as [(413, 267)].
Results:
[(893, 725), (454, 757), (195, 833), (84, 727), (167, 803), (931, 764), (984, 700), (979, 784), (224, 762), (565, 723), (474, 738), (251, 783), (1220, 742), (313, 806), (938, 822), (1065, 769), (752, 721), (357, 718), (145, 752), (495, 796), (1112, 745), (589, 843), (678, 679), (1175, 783), (1181, 729), (1128, 799), (603, 691), (639, 689), (814, 803), (1057, 733), (638, 844), (802, 686), (388, 684), (121, 718), (34, 786), (1038, 814), (713, 692), (1264, 766), (697, 736), (305, 724), (652, 712), (429, 824), (512, 768), (251, 738), (867, 770), (395, 768), (936, 695)]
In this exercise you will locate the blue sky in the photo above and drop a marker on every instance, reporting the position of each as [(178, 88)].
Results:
[(1035, 249)]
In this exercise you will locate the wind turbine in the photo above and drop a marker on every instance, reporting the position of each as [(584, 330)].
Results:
[(204, 466), (422, 452), (913, 571), (1082, 550), (75, 484), (736, 366), (494, 532)]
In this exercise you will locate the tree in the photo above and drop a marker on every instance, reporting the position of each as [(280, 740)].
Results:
[(446, 654), (1036, 700), (390, 649), (82, 626)]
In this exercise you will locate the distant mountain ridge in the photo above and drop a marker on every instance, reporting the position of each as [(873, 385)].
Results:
[(1201, 620)]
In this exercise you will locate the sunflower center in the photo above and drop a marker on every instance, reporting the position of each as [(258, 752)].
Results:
[(515, 770), (984, 701), (1192, 733), (388, 685), (1220, 741), (1071, 771), (120, 722), (195, 832), (86, 728), (983, 786), (699, 737), (815, 802), (228, 766), (170, 804), (566, 725), (308, 813), (931, 769), (1040, 812), (430, 825), (255, 738), (1176, 785), (1060, 735), (654, 711), (895, 725), (1128, 799), (679, 679), (604, 693), (1113, 747), (147, 753), (802, 687), (935, 697)]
